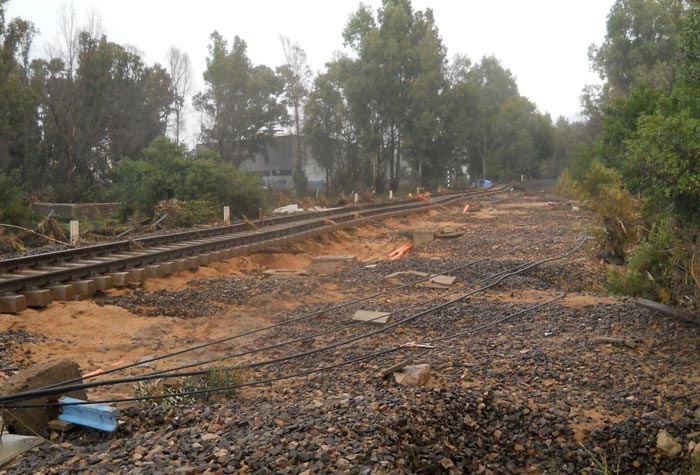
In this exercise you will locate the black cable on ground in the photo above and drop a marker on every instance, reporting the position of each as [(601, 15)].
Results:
[(277, 325), (58, 389), (332, 330), (370, 356), (62, 389)]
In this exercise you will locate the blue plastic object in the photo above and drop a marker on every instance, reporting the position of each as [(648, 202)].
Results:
[(485, 184), (97, 416)]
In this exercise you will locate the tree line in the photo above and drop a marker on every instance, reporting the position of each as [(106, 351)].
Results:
[(640, 162), (392, 109)]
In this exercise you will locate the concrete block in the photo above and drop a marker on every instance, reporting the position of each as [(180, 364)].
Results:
[(84, 288), (37, 298), (226, 254), (137, 274), (377, 318), (35, 420), (153, 270), (192, 263), (103, 282), (12, 303), (62, 292), (215, 256), (119, 279), (178, 265), (166, 268), (204, 259), (422, 236)]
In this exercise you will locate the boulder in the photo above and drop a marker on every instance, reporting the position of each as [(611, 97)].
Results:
[(35, 420)]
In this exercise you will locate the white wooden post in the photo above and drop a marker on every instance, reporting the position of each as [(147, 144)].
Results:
[(391, 194), (74, 232), (227, 215), (357, 197)]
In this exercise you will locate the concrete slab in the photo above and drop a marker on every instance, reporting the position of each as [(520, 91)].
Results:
[(37, 298), (12, 303), (215, 256), (286, 273), (103, 282), (422, 236), (12, 445), (445, 280), (440, 282), (192, 263), (330, 263), (368, 316), (137, 274), (411, 273), (204, 259), (62, 292), (119, 279), (84, 288)]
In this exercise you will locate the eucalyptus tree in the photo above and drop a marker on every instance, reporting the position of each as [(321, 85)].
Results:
[(331, 134), (640, 45), (393, 86), (179, 69), (296, 75), (19, 96), (241, 104)]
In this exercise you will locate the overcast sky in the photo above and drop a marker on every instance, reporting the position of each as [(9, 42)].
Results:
[(543, 42)]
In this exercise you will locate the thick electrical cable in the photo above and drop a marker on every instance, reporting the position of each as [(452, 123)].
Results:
[(62, 389), (377, 354), (279, 324)]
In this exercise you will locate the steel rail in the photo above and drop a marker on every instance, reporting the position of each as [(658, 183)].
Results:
[(191, 243)]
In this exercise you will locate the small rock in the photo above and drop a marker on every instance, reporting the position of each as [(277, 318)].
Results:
[(416, 375), (446, 463), (667, 445)]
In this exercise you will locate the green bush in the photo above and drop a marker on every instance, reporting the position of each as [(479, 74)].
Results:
[(167, 171), (602, 190), (13, 210), (662, 266)]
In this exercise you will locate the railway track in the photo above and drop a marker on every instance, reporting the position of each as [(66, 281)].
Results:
[(38, 280)]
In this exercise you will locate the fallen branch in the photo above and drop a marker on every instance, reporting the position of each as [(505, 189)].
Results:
[(668, 311), (34, 232), (393, 369)]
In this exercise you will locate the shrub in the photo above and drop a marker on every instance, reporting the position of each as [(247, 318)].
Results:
[(601, 188), (167, 171), (663, 266), (176, 390), (12, 208)]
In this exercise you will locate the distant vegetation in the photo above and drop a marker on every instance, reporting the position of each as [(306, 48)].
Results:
[(640, 165), (87, 121)]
